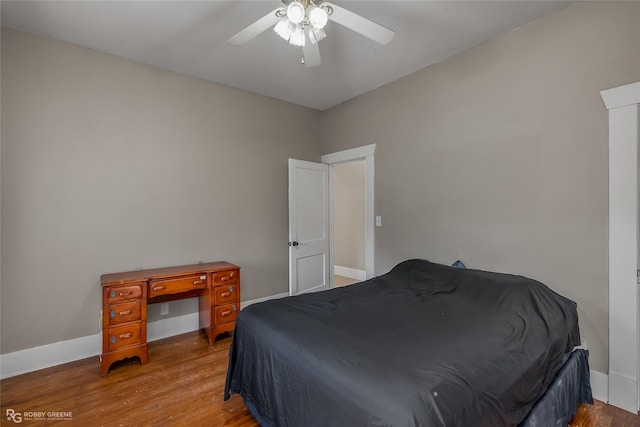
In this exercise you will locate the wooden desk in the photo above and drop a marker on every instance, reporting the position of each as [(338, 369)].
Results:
[(125, 297)]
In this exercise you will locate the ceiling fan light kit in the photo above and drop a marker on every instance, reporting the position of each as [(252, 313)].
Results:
[(307, 18), (302, 18)]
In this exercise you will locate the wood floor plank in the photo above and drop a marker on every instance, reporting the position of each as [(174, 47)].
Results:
[(182, 384), (602, 415)]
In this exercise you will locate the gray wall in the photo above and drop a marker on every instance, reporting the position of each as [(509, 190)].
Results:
[(498, 156), (109, 165), (348, 214)]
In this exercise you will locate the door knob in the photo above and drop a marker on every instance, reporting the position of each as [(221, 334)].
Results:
[(293, 244)]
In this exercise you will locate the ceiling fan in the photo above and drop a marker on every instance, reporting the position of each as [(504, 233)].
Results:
[(302, 22)]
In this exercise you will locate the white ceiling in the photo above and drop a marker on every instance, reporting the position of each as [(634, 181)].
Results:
[(190, 37)]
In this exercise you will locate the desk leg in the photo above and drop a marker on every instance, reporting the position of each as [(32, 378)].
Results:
[(139, 351), (205, 303)]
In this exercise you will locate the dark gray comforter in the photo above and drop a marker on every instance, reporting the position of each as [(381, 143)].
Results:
[(423, 345)]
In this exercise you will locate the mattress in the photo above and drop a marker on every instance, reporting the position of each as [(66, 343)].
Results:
[(423, 345)]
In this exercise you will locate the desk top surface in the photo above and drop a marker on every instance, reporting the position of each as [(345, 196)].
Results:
[(143, 275)]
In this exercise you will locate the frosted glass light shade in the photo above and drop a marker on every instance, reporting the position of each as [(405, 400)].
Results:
[(316, 34), (297, 37), (317, 17), (295, 12), (284, 28)]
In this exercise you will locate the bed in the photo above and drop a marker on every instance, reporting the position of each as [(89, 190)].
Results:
[(423, 345)]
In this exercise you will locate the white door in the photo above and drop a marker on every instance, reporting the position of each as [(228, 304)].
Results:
[(308, 227)]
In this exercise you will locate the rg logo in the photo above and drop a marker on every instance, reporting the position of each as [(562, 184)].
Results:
[(14, 416)]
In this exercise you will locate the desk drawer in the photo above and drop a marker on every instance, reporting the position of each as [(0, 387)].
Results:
[(175, 286), (225, 277), (124, 312), (123, 293), (122, 336), (225, 294), (226, 313)]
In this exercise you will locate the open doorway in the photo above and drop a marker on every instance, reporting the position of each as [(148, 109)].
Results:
[(365, 155), (349, 222)]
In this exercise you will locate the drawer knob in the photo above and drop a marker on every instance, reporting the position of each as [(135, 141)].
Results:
[(225, 313), (158, 288), (125, 336), (225, 278), (225, 294), (126, 294), (125, 313), (197, 282)]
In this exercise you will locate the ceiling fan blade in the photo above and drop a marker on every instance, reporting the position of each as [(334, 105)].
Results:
[(311, 54), (258, 27), (360, 24)]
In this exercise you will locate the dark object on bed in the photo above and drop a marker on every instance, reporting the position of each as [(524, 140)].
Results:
[(423, 345), (458, 264)]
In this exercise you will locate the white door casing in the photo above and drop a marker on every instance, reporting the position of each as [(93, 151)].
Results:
[(309, 268), (624, 253), (365, 153)]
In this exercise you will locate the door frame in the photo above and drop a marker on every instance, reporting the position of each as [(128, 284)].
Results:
[(623, 104), (365, 153)]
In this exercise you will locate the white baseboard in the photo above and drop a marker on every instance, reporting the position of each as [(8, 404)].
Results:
[(349, 272), (623, 392), (599, 385), (171, 326), (46, 356), (246, 304)]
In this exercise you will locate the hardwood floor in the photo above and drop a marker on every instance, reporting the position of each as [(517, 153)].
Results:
[(344, 281), (603, 415), (181, 385)]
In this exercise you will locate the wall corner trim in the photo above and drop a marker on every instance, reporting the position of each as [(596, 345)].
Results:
[(621, 96), (624, 332)]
